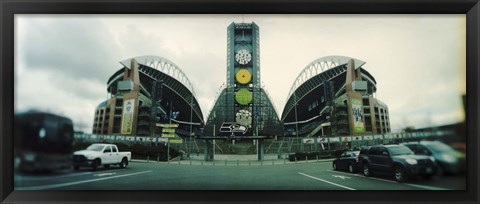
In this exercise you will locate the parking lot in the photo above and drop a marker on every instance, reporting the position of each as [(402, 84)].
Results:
[(279, 175)]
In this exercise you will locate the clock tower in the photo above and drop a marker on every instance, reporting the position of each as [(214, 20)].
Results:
[(243, 76)]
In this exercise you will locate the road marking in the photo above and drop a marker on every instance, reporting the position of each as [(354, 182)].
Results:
[(104, 174), (325, 181), (372, 178), (76, 182), (408, 184), (342, 177)]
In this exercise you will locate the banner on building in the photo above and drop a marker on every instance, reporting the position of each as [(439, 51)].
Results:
[(357, 114), (127, 116), (308, 141), (163, 140), (334, 139)]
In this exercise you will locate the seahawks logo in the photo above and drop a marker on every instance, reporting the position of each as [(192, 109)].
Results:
[(233, 127)]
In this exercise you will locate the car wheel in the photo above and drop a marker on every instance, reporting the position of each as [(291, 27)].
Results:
[(335, 166), (95, 164), (366, 170), (427, 177), (399, 174), (124, 163), (350, 168), (76, 167)]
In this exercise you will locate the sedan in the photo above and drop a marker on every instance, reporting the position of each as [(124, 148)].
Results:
[(347, 161)]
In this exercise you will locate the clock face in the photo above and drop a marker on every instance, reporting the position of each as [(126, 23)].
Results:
[(243, 76), (243, 56), (243, 96)]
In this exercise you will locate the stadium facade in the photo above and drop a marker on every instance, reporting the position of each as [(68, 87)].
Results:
[(334, 96), (146, 91), (243, 102)]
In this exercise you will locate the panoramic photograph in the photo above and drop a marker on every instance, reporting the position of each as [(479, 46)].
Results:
[(240, 102)]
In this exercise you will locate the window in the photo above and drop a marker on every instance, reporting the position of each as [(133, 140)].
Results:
[(373, 151), (383, 151), (108, 149)]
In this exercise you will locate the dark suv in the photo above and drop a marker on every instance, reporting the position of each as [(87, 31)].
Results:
[(449, 160), (397, 160)]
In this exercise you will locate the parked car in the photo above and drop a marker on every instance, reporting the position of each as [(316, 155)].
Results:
[(100, 154), (347, 161), (397, 160), (449, 160)]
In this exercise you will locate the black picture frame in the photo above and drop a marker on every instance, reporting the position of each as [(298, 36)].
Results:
[(9, 8)]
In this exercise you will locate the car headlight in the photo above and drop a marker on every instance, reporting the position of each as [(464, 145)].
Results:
[(411, 161), (449, 158)]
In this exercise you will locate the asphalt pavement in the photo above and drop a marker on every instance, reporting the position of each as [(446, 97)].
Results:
[(242, 173)]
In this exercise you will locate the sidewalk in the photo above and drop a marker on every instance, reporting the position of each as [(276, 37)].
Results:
[(233, 160)]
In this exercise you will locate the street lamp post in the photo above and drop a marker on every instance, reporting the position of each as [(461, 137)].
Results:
[(296, 119)]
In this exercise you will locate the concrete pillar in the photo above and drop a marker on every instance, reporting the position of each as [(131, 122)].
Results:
[(209, 153), (260, 150)]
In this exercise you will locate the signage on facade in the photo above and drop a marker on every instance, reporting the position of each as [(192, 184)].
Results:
[(163, 140), (233, 127), (127, 116), (334, 139), (357, 114), (308, 141)]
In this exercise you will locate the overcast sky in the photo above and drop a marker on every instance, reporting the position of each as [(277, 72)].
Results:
[(63, 62)]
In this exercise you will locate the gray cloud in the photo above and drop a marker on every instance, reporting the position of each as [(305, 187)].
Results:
[(81, 47)]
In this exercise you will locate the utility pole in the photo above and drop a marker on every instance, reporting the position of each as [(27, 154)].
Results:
[(156, 99), (296, 118)]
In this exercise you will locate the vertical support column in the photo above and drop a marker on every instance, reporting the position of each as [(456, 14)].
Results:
[(260, 149), (209, 153)]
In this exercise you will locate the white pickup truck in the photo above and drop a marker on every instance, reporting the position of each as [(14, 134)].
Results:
[(100, 154)]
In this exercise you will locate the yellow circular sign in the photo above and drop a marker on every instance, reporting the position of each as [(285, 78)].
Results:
[(243, 76)]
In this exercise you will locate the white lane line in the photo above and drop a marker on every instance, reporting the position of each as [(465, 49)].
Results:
[(408, 184), (104, 174), (325, 181), (76, 182)]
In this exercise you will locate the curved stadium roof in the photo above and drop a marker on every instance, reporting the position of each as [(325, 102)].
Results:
[(159, 68), (317, 72)]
